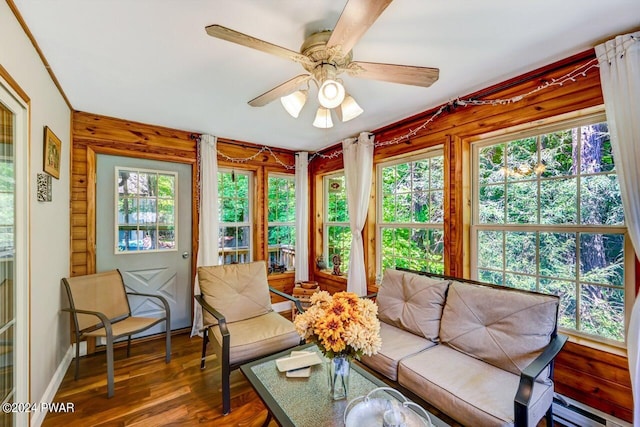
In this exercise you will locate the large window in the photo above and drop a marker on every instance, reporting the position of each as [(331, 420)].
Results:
[(235, 216), (411, 214), (281, 222), (548, 217), (337, 241), (146, 214)]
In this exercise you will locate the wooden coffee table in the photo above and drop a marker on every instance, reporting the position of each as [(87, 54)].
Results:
[(305, 401)]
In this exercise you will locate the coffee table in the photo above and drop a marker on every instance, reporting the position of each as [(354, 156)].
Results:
[(305, 401)]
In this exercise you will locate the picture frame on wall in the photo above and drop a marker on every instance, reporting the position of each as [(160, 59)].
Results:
[(52, 153)]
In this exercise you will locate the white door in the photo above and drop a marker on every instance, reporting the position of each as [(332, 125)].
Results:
[(143, 228)]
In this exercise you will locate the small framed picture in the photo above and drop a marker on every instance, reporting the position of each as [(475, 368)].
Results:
[(44, 187), (52, 152)]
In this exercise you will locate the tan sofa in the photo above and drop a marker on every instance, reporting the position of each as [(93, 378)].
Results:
[(480, 353)]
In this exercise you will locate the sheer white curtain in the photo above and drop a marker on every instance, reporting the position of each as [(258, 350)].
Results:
[(209, 223), (619, 61), (301, 264), (357, 156)]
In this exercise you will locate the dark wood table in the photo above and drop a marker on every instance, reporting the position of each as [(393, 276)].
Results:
[(305, 401)]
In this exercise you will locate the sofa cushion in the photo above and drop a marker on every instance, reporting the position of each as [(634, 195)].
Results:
[(470, 390), (412, 302), (238, 291), (396, 345), (503, 327)]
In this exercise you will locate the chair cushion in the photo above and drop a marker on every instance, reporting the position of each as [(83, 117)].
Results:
[(238, 291), (396, 345), (505, 328), (470, 390), (412, 302), (128, 326), (257, 336)]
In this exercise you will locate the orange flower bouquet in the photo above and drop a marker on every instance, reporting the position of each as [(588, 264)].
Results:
[(342, 325)]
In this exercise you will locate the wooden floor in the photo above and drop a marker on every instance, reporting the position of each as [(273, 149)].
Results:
[(149, 392)]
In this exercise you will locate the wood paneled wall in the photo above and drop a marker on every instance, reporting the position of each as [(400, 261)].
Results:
[(94, 134), (597, 378)]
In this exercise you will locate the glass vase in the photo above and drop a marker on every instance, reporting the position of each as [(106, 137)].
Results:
[(339, 368)]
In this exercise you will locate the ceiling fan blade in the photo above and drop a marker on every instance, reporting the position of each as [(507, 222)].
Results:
[(356, 18), (233, 36), (405, 74), (279, 91)]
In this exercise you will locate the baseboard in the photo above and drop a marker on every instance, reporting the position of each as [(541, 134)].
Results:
[(50, 393), (571, 413)]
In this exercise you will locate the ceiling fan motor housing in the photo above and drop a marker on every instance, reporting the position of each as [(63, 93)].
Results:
[(327, 62)]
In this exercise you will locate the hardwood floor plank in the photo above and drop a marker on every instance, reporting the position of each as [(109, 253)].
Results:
[(151, 393)]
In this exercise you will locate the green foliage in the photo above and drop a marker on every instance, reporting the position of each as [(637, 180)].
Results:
[(563, 179)]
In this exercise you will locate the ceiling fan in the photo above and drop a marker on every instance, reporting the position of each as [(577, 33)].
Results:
[(325, 55)]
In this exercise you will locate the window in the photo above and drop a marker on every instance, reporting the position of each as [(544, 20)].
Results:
[(548, 217), (337, 241), (146, 215), (411, 214), (281, 222), (235, 216), (14, 250)]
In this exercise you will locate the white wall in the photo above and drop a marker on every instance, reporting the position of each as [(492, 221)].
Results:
[(49, 221)]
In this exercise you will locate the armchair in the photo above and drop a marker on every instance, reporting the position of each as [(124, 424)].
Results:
[(239, 320), (100, 308)]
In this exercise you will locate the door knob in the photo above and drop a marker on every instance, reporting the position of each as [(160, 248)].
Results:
[(185, 255)]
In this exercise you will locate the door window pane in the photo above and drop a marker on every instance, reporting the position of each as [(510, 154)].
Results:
[(7, 259), (146, 216)]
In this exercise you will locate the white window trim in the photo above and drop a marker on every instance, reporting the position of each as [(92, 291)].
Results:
[(291, 224), (11, 99), (325, 215), (380, 225), (117, 170), (579, 119), (249, 222)]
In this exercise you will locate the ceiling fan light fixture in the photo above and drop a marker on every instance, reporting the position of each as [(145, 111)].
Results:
[(294, 102), (323, 118), (331, 93), (349, 109)]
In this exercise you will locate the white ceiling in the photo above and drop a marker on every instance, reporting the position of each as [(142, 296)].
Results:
[(151, 61)]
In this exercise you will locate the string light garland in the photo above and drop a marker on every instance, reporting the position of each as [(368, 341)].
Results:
[(571, 77)]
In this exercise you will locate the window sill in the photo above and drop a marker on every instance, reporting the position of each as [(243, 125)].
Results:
[(618, 350), (328, 275), (283, 275)]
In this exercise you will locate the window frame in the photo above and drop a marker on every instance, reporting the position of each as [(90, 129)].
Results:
[(249, 222), (155, 226), (289, 268), (344, 267), (14, 99), (380, 225), (577, 119)]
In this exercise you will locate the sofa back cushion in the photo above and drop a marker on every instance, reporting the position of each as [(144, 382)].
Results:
[(238, 291), (505, 328), (412, 302)]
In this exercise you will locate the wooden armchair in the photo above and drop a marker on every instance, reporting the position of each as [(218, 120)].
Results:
[(239, 319), (100, 308)]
